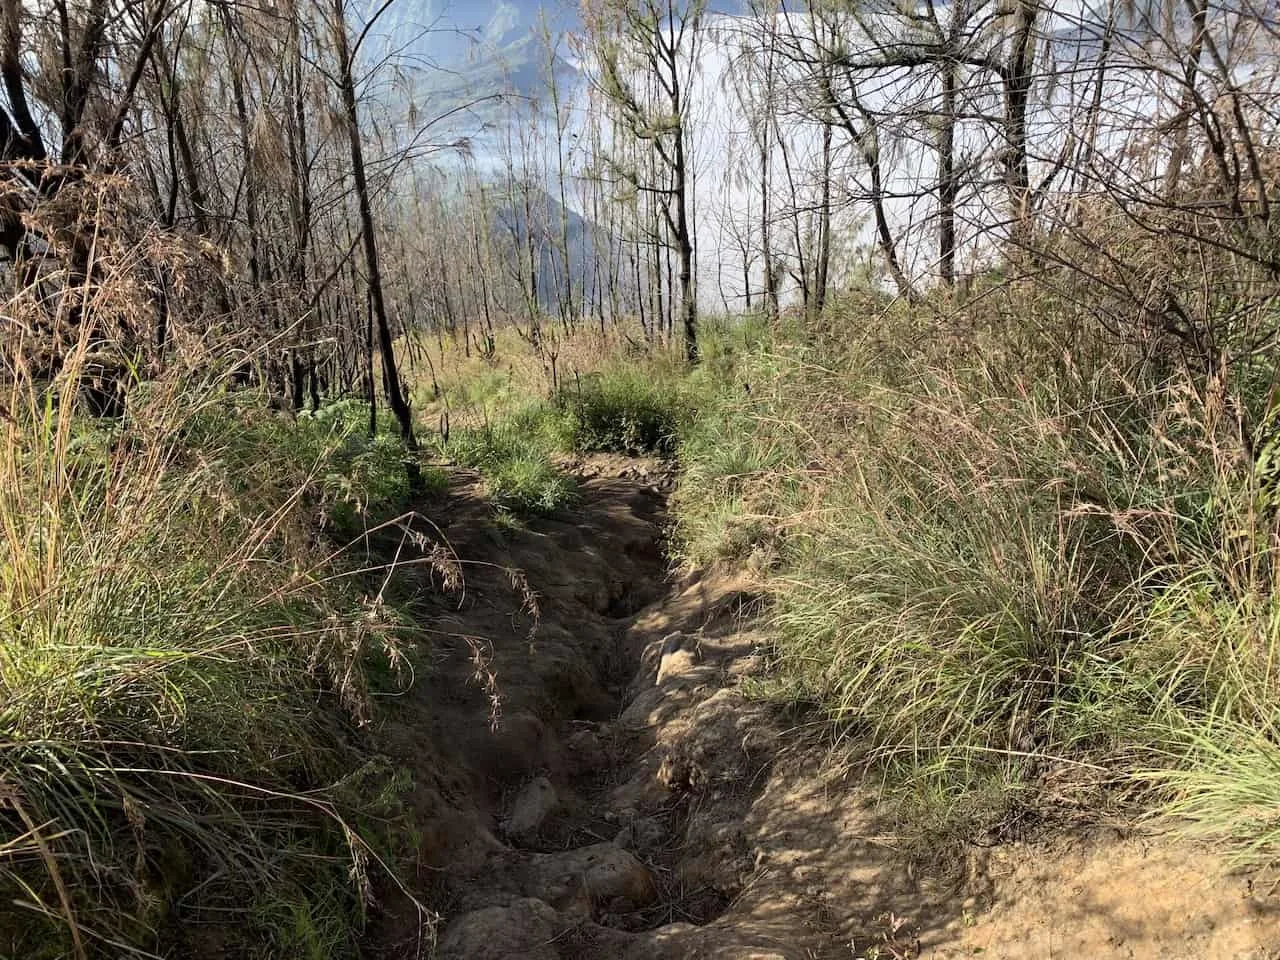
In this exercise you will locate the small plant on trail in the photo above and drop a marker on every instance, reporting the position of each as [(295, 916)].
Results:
[(896, 941), (516, 458)]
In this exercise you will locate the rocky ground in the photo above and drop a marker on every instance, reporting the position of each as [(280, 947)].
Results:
[(593, 782)]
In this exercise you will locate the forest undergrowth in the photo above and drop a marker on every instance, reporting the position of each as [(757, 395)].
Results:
[(998, 434), (1022, 577)]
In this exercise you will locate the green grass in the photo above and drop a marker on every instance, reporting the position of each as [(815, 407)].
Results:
[(991, 563), (519, 447), (178, 652), (1016, 557), (511, 427), (516, 457), (1223, 785), (925, 594), (626, 408)]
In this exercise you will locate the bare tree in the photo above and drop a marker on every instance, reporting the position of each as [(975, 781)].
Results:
[(386, 344), (660, 38)]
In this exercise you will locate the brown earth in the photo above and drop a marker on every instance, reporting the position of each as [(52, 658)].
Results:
[(592, 783)]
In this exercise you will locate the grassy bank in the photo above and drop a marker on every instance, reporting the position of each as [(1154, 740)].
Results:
[(182, 669), (1020, 578)]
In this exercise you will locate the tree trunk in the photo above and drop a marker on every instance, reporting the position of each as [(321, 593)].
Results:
[(688, 295), (1181, 136), (386, 345), (1019, 79), (948, 187), (822, 269), (868, 145)]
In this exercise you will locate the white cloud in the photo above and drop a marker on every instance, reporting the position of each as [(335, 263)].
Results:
[(504, 20)]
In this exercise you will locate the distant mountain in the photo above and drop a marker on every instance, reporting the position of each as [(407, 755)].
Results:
[(510, 222), (457, 59), (1082, 23)]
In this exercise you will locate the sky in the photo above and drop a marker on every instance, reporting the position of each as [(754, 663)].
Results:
[(476, 41), (462, 51), (452, 58), (467, 36)]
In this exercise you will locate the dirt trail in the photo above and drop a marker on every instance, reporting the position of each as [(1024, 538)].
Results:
[(629, 802)]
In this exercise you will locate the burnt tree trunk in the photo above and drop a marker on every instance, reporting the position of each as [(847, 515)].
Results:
[(386, 345)]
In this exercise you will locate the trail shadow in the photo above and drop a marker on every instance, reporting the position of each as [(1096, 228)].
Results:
[(805, 858), (767, 852), (523, 647)]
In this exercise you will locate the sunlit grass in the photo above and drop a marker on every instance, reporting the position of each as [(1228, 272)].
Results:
[(996, 561), (990, 565)]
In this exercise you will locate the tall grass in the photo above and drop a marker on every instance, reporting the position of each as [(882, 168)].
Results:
[(1006, 570), (516, 455), (1207, 614), (171, 630), (1021, 565), (626, 408)]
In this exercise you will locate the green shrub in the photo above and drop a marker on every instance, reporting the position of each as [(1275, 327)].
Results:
[(362, 471), (529, 483), (633, 409)]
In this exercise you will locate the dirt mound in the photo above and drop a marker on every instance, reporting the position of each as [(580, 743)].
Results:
[(593, 783)]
